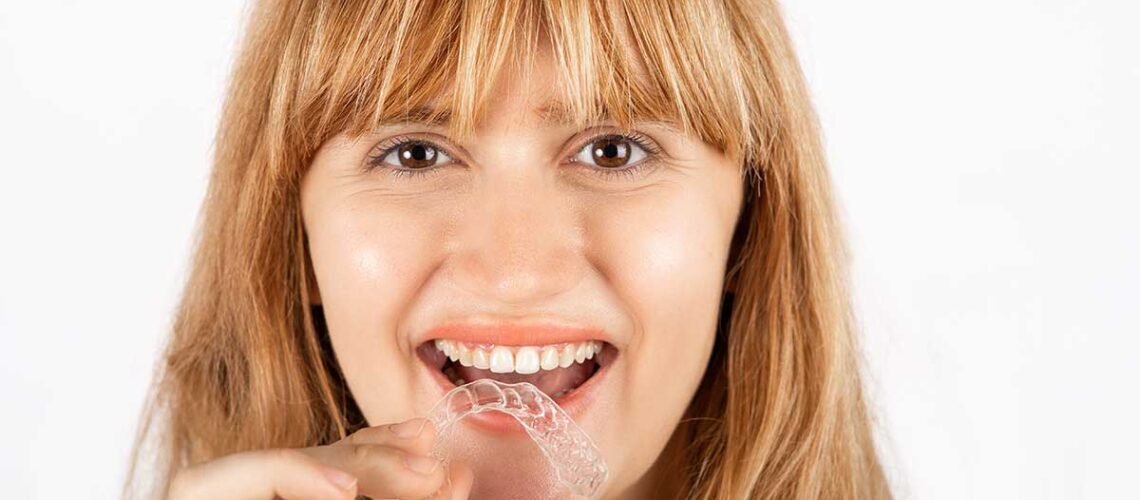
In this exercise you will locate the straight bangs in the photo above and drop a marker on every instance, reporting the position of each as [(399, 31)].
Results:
[(362, 64)]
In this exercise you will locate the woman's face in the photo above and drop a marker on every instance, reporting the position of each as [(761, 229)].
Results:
[(518, 248)]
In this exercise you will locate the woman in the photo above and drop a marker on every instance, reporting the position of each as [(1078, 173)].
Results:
[(410, 195)]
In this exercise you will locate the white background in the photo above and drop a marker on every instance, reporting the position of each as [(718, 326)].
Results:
[(985, 155)]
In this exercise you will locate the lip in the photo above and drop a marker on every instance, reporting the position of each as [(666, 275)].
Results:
[(575, 404), (514, 334)]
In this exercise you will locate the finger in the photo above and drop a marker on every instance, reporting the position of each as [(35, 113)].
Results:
[(384, 471), (456, 485), (415, 436), (285, 473)]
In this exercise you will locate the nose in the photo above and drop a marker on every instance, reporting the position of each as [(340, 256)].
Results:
[(518, 241)]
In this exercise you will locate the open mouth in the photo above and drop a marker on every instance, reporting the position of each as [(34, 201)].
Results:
[(556, 369)]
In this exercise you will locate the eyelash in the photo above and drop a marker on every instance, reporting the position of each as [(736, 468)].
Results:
[(630, 172)]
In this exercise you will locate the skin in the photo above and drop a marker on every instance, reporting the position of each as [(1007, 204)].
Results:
[(387, 461), (511, 229)]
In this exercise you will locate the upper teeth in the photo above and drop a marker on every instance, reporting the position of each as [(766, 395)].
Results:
[(519, 359)]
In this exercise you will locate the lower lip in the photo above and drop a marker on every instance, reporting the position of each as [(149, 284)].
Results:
[(574, 404)]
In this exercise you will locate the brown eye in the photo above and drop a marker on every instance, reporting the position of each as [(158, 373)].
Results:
[(611, 152), (412, 155), (416, 155)]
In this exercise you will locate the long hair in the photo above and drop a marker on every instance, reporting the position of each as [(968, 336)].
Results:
[(780, 412)]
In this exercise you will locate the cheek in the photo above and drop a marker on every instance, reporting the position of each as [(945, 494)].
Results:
[(368, 257), (666, 256), (666, 259)]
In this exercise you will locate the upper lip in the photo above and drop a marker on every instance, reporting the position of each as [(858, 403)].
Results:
[(515, 334)]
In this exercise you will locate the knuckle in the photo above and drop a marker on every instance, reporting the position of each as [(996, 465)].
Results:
[(360, 437), (386, 475), (366, 455), (418, 485), (383, 473)]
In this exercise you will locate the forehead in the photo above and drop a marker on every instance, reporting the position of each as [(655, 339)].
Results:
[(528, 84)]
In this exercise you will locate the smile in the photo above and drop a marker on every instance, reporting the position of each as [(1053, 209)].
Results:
[(564, 367), (555, 369)]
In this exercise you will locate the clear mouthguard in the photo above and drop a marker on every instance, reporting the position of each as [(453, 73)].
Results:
[(578, 464)]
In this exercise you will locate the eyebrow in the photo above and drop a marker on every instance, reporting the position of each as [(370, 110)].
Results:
[(552, 113), (423, 114)]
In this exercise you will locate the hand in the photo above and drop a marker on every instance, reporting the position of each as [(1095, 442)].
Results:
[(387, 461)]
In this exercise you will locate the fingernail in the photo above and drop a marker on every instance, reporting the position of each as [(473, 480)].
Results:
[(341, 479), (423, 465), (410, 428)]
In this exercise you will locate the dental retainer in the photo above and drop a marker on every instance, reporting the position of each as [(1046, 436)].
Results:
[(578, 464)]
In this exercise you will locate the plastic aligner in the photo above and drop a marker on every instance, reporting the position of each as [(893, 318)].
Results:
[(577, 462)]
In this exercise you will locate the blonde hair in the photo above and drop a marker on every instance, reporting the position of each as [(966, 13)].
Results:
[(780, 412)]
